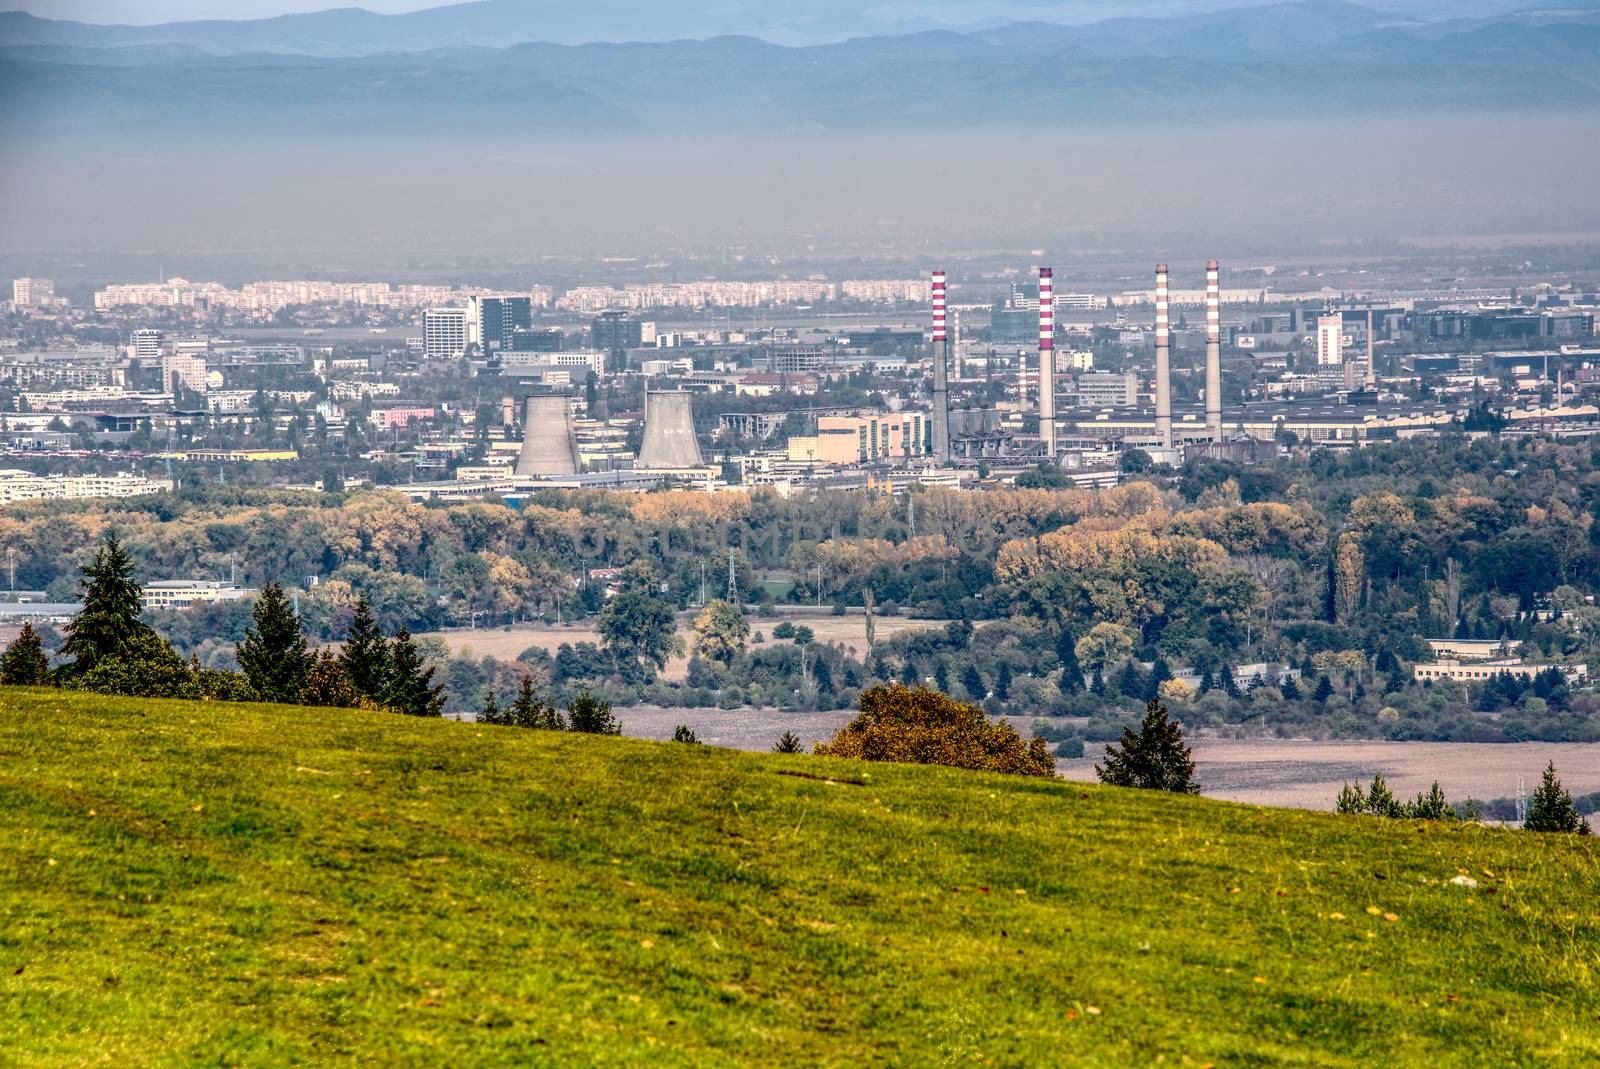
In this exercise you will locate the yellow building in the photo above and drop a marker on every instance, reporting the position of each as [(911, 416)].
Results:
[(865, 439)]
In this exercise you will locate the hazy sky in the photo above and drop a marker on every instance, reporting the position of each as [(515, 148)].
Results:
[(141, 12)]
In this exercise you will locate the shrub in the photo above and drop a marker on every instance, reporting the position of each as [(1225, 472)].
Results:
[(144, 667), (926, 727)]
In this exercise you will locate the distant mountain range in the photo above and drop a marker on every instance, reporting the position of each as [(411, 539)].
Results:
[(348, 72), (351, 31)]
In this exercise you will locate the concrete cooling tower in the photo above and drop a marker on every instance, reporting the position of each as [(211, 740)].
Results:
[(549, 446), (669, 440)]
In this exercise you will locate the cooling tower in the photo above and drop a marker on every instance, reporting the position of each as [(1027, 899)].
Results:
[(1163, 361), (1213, 352), (669, 440), (549, 446)]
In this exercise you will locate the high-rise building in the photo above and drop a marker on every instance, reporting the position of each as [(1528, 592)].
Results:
[(1330, 341), (616, 332), (147, 345), (32, 292), (445, 333), (537, 340), (495, 321)]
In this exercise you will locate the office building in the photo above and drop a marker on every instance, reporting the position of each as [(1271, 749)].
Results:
[(446, 333), (496, 320), (183, 366), (878, 436), (1106, 389), (147, 345), (616, 332)]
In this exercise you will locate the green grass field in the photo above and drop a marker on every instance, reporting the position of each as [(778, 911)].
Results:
[(186, 884)]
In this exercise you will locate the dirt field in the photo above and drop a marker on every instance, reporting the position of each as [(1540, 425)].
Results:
[(1308, 775), (506, 644)]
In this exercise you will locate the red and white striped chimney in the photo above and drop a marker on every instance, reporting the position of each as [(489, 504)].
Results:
[(941, 364), (1047, 363), (1213, 351), (1163, 361)]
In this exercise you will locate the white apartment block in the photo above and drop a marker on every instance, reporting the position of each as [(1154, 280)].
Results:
[(17, 485), (186, 367), (585, 359), (147, 344), (32, 292), (1330, 341)]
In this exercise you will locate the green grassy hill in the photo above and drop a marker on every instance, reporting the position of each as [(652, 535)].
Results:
[(253, 885)]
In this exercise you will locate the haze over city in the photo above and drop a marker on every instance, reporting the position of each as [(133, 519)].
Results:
[(718, 532)]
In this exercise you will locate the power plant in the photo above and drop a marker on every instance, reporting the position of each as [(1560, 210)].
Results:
[(941, 371), (549, 444), (1047, 364), (669, 441)]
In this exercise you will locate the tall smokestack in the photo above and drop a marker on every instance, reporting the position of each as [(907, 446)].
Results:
[(1213, 351), (1372, 372), (1163, 361), (1047, 364), (941, 369)]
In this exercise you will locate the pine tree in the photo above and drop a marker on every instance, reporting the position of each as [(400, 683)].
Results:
[(491, 712), (110, 616), (365, 656), (273, 653), (591, 716), (1154, 757), (1290, 689), (1071, 671), (972, 680), (1097, 685), (1160, 672), (411, 687), (1324, 690), (684, 733), (528, 710), (941, 677), (1225, 680), (1002, 681), (25, 663), (1551, 808), (1130, 681), (788, 742)]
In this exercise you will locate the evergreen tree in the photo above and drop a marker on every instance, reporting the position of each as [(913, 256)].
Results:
[(1551, 808), (411, 690), (941, 677), (1130, 681), (591, 716), (1225, 680), (25, 663), (491, 712), (1160, 672), (1290, 689), (1324, 690), (365, 657), (908, 672), (1154, 757), (528, 710), (1097, 685), (110, 616), (788, 742), (684, 733), (972, 680), (1071, 670), (273, 653), (1002, 681), (1208, 682)]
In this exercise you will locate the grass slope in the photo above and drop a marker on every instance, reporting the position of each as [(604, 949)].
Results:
[(206, 884)]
